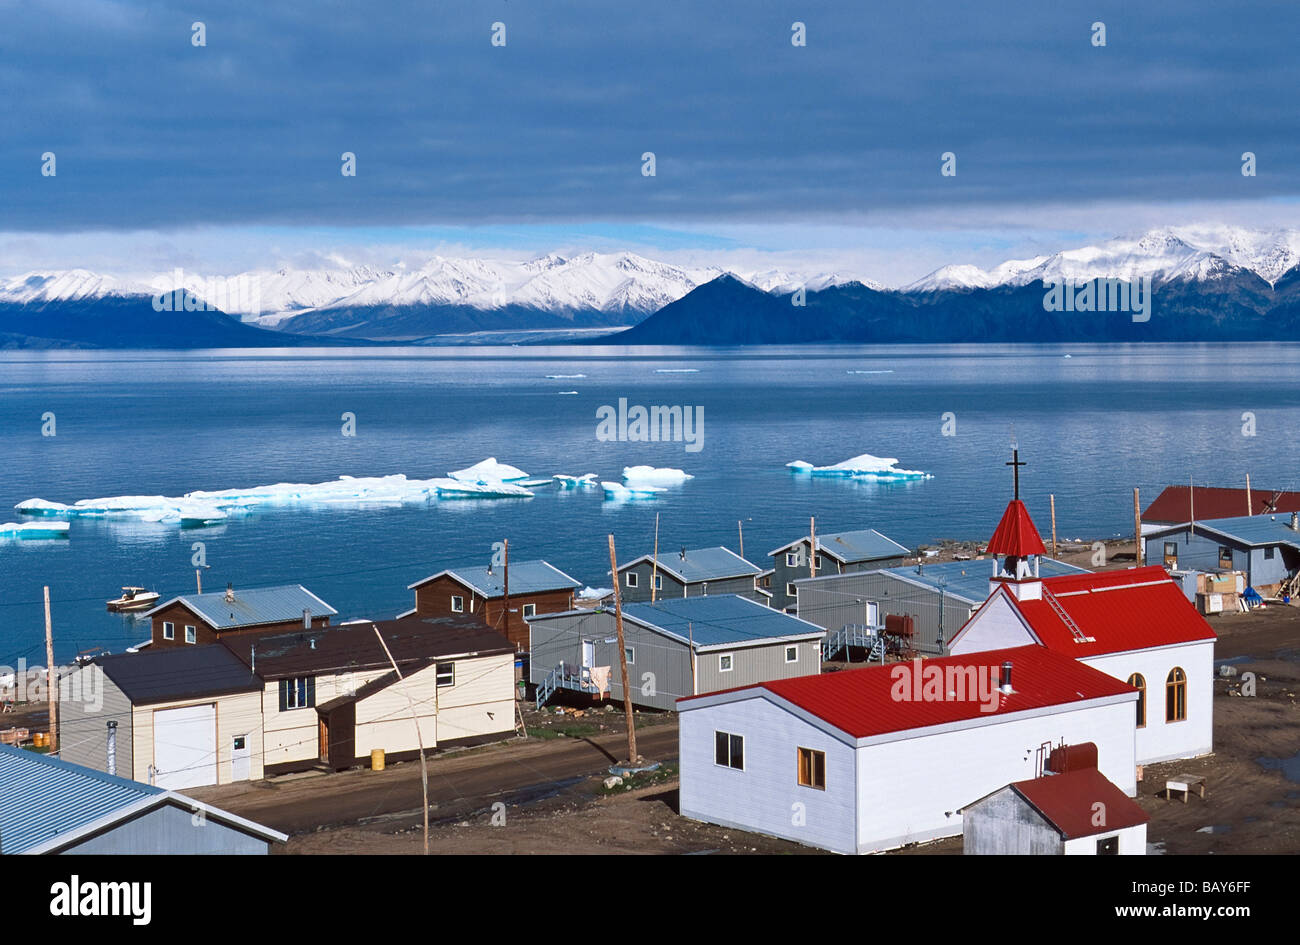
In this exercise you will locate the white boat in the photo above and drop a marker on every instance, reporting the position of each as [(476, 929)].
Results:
[(133, 598)]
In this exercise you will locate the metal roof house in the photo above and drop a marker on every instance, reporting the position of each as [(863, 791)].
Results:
[(675, 647), (691, 573), (196, 619), (536, 587), (1178, 504), (1265, 547), (869, 759), (173, 717), (836, 553), (940, 597), (50, 805)]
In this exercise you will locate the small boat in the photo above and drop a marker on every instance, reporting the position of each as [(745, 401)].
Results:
[(133, 598)]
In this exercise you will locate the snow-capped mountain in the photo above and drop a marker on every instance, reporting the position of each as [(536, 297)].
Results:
[(70, 285), (1192, 253)]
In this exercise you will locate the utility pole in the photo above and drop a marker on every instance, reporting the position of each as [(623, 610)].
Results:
[(812, 547), (1053, 498), (690, 635), (505, 584), (198, 579), (419, 738), (51, 677), (1137, 528), (741, 525), (654, 566), (1249, 504), (632, 756)]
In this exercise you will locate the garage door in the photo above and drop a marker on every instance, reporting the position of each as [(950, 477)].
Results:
[(185, 746)]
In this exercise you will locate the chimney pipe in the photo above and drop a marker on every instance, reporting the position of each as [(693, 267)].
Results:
[(306, 619), (1004, 678), (683, 552), (230, 593), (1295, 521)]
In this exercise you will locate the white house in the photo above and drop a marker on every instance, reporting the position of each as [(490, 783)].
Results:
[(869, 759), (1135, 625)]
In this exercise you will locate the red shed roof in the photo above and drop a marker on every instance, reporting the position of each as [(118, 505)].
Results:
[(875, 701), (1016, 534), (1066, 801), (1113, 611), (1176, 504)]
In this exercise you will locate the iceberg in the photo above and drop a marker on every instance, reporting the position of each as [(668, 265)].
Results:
[(34, 530), (640, 476), (455, 488), (488, 471), (865, 467), (618, 491), (576, 482)]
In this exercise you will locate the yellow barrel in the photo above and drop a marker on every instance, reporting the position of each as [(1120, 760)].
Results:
[(376, 759), (38, 740)]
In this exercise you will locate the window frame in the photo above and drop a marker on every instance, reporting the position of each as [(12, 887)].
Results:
[(302, 689), (1141, 687), (169, 630), (630, 579), (457, 608), (629, 654), (731, 662), (1176, 696), (1225, 557), (815, 758), (792, 649), (440, 672), (191, 634), (529, 611), (732, 742)]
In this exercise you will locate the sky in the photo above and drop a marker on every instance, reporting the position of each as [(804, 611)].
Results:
[(821, 157)]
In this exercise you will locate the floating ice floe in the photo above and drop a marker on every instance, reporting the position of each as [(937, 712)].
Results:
[(889, 371), (32, 530), (640, 476), (577, 482), (866, 466), (618, 491), (558, 377), (683, 370), (455, 488), (488, 471), (562, 393)]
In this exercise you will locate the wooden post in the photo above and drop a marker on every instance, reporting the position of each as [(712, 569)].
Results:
[(654, 566), (741, 525), (198, 579), (1249, 504), (1053, 498), (812, 547), (632, 756), (51, 678), (505, 585), (1191, 503), (419, 738), (1137, 528), (690, 635)]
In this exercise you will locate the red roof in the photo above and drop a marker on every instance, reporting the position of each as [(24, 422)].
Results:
[(1067, 800), (869, 701), (1114, 611), (1016, 534), (1174, 506)]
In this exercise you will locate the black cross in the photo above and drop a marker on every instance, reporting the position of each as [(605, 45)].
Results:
[(1015, 465)]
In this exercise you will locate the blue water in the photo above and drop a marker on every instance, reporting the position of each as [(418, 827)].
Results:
[(1091, 427)]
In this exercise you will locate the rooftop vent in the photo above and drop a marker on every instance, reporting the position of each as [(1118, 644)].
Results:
[(1004, 678), (230, 593)]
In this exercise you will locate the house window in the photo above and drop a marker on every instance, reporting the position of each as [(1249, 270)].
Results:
[(629, 654), (729, 750), (792, 654), (1176, 696), (1108, 846), (446, 673), (1268, 553), (457, 604), (1225, 557), (191, 635), (1171, 553), (812, 768), (297, 693), (792, 559), (659, 582), (1140, 684), (630, 579), (790, 591), (529, 610), (724, 663), (169, 630), (817, 563)]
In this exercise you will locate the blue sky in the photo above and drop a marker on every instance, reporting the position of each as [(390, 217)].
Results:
[(228, 156)]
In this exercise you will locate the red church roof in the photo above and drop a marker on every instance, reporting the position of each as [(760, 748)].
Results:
[(1016, 534), (1067, 802), (866, 702), (1114, 612)]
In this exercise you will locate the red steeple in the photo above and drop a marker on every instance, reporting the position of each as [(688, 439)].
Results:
[(1016, 536)]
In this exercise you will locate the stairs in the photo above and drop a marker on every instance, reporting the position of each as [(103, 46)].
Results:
[(565, 676), (854, 635)]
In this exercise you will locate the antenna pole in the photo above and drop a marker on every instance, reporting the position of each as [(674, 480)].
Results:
[(51, 677)]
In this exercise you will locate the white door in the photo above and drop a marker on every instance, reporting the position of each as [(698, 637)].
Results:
[(873, 613), (588, 654), (239, 758), (185, 746)]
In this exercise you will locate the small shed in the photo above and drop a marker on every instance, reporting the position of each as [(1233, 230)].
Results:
[(1071, 813), (49, 805)]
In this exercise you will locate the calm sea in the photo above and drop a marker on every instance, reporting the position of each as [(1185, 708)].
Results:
[(1091, 426)]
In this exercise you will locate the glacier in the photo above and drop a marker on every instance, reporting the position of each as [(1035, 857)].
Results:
[(864, 467)]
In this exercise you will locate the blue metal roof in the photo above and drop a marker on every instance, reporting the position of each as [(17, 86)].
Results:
[(702, 564), (852, 547), (526, 577), (252, 607), (719, 620), (44, 797), (969, 580), (1251, 530)]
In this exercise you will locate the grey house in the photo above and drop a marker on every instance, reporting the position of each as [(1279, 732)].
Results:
[(945, 593), (837, 553), (53, 806), (676, 647), (691, 573), (1265, 547)]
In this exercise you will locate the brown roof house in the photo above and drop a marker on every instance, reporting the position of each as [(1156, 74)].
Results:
[(197, 619), (331, 695), (536, 587)]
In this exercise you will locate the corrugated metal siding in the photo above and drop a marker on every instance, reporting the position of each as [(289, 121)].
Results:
[(834, 603), (83, 731), (756, 664), (173, 830), (1005, 825)]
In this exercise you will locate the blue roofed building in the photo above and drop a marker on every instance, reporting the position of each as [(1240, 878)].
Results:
[(48, 805), (676, 647), (939, 597), (197, 619), (1265, 547), (691, 573), (836, 553)]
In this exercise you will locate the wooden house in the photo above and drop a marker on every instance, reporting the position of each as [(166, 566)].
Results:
[(199, 619)]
